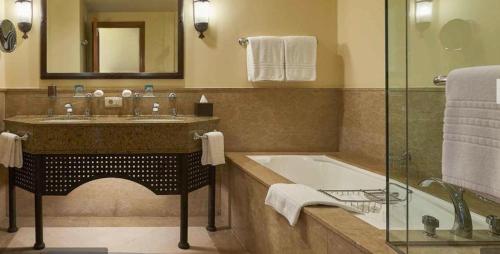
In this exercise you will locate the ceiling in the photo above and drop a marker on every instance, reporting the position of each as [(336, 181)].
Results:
[(131, 5)]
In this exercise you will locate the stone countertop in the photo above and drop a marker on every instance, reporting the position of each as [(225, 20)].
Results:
[(109, 120), (110, 134)]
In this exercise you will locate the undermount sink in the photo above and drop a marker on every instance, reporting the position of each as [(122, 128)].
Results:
[(158, 119), (66, 120)]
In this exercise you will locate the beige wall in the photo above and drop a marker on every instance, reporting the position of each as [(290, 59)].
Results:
[(119, 50), (161, 33), (217, 61), (430, 55), (63, 32), (361, 42)]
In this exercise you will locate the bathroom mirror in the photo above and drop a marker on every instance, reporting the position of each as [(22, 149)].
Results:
[(8, 36), (112, 39)]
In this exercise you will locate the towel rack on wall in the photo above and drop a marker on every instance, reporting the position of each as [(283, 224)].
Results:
[(243, 41), (440, 80)]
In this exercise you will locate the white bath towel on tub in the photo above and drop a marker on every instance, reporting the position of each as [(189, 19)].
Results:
[(288, 200)]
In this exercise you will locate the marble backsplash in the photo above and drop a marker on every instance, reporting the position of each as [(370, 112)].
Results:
[(362, 128), (279, 120), (286, 120)]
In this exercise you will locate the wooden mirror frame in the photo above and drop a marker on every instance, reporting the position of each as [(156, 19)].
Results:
[(92, 75)]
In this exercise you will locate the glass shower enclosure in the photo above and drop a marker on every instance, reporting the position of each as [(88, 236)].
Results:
[(426, 39)]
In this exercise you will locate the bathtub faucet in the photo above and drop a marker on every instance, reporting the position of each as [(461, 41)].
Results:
[(463, 221)]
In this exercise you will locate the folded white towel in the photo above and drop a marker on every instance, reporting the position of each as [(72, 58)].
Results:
[(300, 58), (471, 147), (11, 151), (213, 149), (265, 59), (288, 200)]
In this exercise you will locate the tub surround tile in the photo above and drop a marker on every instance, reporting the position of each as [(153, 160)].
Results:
[(362, 131), (261, 230), (252, 181)]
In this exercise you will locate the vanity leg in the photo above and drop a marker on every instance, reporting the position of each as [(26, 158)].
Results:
[(183, 243), (39, 244), (12, 201), (211, 199)]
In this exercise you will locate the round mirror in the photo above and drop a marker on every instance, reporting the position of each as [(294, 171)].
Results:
[(456, 35), (8, 36)]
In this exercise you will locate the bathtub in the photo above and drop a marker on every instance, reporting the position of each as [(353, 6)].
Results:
[(325, 173)]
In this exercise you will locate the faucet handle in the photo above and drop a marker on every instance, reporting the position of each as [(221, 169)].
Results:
[(156, 105), (494, 223), (430, 225)]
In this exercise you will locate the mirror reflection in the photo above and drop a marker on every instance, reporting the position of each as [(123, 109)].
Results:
[(112, 36), (8, 36)]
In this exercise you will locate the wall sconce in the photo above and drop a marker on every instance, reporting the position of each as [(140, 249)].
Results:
[(423, 11), (24, 12), (201, 14)]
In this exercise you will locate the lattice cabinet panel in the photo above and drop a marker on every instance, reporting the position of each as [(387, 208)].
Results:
[(63, 173), (198, 175), (26, 176), (161, 173)]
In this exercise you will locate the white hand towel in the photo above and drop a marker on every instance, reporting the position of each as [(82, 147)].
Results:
[(300, 58), (288, 200), (471, 147), (265, 59), (11, 151), (213, 149)]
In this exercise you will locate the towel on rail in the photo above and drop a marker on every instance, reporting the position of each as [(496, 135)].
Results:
[(471, 147), (288, 200), (300, 58), (11, 151), (265, 59), (213, 149)]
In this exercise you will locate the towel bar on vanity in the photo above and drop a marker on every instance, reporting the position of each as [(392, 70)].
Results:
[(23, 137), (243, 41), (440, 80), (197, 136)]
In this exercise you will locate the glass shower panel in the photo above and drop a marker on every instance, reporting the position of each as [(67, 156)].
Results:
[(438, 36), (396, 121)]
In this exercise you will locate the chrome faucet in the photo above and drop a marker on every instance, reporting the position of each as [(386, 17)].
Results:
[(463, 221), (69, 109), (172, 97), (156, 109), (137, 106)]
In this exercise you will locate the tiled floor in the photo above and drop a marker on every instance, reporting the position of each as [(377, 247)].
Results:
[(117, 235)]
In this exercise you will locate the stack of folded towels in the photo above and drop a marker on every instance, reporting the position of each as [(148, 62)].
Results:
[(11, 151)]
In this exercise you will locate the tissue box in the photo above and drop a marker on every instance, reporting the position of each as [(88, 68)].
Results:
[(204, 109)]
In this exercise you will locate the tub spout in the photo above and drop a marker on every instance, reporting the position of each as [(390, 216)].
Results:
[(463, 221)]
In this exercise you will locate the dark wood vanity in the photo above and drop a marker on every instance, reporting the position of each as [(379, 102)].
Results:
[(162, 154)]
